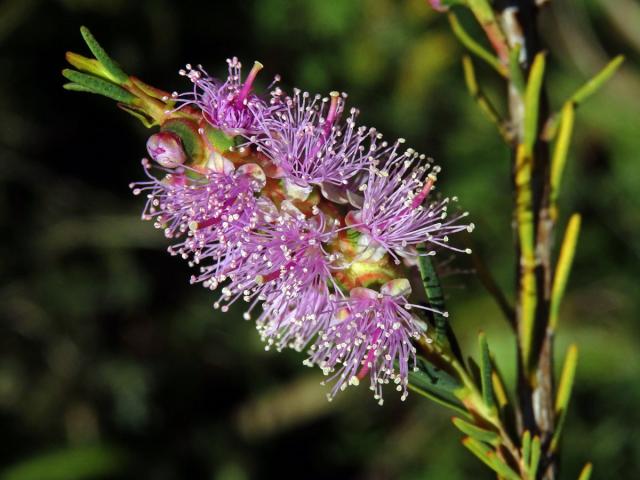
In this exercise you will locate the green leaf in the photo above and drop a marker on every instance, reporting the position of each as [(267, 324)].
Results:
[(474, 47), (585, 474), (485, 372), (489, 458), (563, 396), (498, 389), (593, 85), (99, 86), (139, 114), (85, 64), (439, 398), (526, 446), (435, 297), (112, 69), (433, 290), (437, 385), (527, 286), (532, 102), (534, 461), (481, 434), (429, 376), (563, 268), (76, 87), (561, 148)]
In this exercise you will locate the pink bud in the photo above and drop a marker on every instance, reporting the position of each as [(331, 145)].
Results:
[(166, 149)]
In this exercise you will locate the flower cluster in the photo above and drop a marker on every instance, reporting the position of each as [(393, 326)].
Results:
[(311, 219)]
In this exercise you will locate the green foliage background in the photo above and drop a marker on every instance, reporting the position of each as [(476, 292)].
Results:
[(112, 366)]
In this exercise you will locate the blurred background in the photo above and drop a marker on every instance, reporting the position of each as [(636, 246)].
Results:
[(113, 367)]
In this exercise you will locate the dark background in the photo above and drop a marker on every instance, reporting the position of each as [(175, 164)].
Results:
[(112, 366)]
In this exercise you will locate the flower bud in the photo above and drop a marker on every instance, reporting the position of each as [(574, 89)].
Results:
[(166, 149)]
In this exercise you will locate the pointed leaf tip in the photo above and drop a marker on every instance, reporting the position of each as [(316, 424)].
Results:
[(585, 474), (485, 371), (563, 268), (532, 102), (598, 80), (479, 433), (565, 386), (112, 70), (534, 461)]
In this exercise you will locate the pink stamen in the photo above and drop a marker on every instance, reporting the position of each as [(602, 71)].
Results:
[(369, 359), (208, 222), (328, 123), (275, 274), (248, 83), (331, 114), (424, 193)]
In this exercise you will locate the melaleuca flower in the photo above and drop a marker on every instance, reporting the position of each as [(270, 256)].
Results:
[(370, 335), (395, 215), (310, 145), (230, 105), (262, 224), (282, 265), (300, 303), (209, 206)]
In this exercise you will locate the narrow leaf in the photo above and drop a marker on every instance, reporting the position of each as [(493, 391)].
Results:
[(436, 377), (113, 71), (76, 87), (593, 85), (153, 92), (499, 390), (585, 474), (139, 114), (441, 399), (489, 458), (479, 449), (535, 457), (481, 434), (435, 296), (527, 287), (563, 268), (474, 47), (84, 64), (485, 372), (532, 102), (437, 385), (561, 149), (501, 468), (563, 396), (99, 86), (526, 447)]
